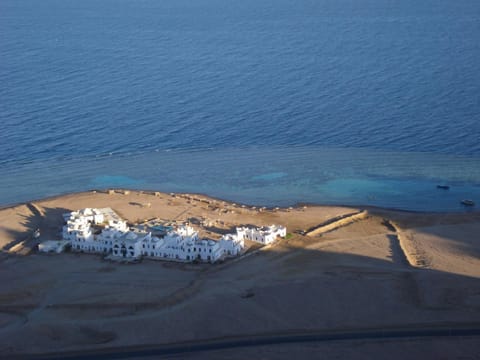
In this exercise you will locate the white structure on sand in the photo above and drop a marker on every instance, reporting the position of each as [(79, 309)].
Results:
[(53, 246), (264, 235), (232, 244), (113, 236)]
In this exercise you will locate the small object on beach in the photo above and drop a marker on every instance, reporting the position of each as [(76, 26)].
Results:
[(468, 202), (111, 192), (443, 187)]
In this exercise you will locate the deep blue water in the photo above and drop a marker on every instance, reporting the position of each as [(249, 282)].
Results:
[(266, 102)]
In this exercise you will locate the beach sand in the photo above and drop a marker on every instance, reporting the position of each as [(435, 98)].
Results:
[(386, 269)]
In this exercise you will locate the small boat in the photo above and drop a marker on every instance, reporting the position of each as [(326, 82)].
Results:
[(467, 202), (443, 187)]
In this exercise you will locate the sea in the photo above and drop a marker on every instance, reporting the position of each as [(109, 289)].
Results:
[(262, 102)]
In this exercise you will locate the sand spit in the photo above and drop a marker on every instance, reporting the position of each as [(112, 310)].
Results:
[(381, 269), (337, 222)]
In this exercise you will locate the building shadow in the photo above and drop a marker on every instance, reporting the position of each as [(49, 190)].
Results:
[(41, 223)]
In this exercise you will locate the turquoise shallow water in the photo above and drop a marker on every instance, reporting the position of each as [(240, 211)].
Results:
[(265, 102), (265, 176)]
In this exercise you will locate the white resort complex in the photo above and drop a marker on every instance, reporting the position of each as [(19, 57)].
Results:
[(102, 231)]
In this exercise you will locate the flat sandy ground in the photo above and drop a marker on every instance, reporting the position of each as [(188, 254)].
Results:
[(384, 271)]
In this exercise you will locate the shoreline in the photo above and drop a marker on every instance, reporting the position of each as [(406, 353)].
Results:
[(211, 217), (299, 204)]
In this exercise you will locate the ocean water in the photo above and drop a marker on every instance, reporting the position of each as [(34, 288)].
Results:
[(369, 102)]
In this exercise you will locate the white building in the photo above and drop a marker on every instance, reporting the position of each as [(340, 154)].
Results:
[(232, 244), (151, 247), (114, 230), (183, 244), (77, 228), (208, 250), (91, 215), (79, 232), (180, 244), (129, 245), (175, 246), (263, 235)]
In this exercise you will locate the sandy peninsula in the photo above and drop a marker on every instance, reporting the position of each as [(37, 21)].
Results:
[(340, 270)]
